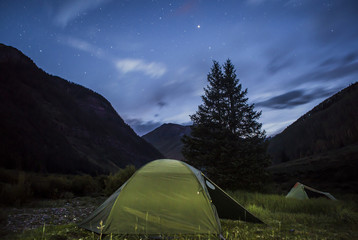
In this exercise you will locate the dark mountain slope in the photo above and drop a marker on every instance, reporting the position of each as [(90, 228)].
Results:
[(334, 171), (320, 149), (51, 125), (330, 125), (167, 139)]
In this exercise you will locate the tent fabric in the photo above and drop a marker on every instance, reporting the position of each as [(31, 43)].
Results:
[(301, 191), (227, 207), (166, 197)]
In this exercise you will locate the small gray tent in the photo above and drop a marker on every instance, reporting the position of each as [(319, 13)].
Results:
[(301, 191)]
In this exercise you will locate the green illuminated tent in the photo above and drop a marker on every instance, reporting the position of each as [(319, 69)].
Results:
[(166, 197), (301, 191)]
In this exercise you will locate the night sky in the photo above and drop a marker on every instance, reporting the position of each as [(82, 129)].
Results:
[(150, 59)]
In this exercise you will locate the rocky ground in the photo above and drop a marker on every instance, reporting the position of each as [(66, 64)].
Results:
[(50, 212)]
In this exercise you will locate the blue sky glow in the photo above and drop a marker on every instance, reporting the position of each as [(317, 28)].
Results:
[(150, 59)]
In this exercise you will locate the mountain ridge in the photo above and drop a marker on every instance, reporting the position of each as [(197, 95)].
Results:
[(321, 147), (167, 139), (49, 124), (330, 125)]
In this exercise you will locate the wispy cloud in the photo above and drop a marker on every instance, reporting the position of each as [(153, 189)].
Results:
[(276, 127), (72, 9), (295, 98), (84, 46), (142, 127), (279, 62), (151, 69), (334, 72)]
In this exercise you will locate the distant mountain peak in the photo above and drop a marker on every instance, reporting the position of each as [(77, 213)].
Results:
[(167, 139)]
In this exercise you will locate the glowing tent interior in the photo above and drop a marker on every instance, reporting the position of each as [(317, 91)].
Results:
[(166, 197)]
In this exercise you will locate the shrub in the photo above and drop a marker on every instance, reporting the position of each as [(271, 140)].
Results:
[(16, 193), (84, 185), (17, 186), (113, 182), (8, 176), (51, 186), (41, 187)]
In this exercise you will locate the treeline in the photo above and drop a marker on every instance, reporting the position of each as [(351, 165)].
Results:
[(330, 125), (18, 187)]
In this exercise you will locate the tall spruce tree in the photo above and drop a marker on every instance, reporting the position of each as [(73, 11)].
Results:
[(226, 140)]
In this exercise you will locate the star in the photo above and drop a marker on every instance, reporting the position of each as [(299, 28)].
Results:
[(198, 26)]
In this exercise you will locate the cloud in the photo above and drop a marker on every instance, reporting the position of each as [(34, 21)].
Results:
[(332, 70), (278, 63), (347, 59), (83, 45), (162, 104), (72, 9), (336, 72), (295, 98), (151, 69), (142, 127), (351, 57), (276, 127)]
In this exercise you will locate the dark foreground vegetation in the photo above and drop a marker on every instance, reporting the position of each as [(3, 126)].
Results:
[(285, 219), (18, 188), (36, 206)]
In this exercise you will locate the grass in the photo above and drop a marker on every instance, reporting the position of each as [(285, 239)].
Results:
[(298, 219), (285, 219)]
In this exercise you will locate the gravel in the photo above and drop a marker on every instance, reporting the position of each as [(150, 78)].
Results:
[(56, 212)]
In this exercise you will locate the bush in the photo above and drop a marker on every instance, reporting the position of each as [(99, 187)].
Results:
[(8, 176), (16, 193), (41, 187), (84, 185), (18, 187), (51, 186), (60, 186), (113, 182)]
